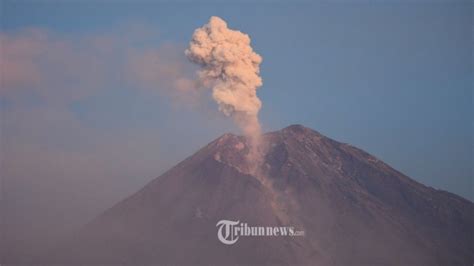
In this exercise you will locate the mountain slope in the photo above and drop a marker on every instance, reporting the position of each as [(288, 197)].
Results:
[(353, 208)]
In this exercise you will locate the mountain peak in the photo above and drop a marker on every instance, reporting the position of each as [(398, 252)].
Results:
[(289, 131), (292, 145), (296, 128), (296, 133), (299, 129)]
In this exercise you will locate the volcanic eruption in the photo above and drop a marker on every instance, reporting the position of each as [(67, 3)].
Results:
[(231, 68), (353, 208)]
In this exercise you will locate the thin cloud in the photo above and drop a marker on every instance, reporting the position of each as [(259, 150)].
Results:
[(63, 68)]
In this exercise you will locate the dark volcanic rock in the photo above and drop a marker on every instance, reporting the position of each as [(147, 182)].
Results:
[(354, 209)]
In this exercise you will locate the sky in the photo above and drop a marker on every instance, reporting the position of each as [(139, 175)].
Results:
[(96, 98)]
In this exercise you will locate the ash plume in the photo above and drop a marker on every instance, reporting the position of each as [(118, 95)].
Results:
[(230, 67)]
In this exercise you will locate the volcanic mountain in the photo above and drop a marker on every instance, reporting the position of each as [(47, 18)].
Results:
[(353, 208)]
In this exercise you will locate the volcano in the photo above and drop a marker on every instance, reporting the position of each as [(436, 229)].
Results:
[(353, 209)]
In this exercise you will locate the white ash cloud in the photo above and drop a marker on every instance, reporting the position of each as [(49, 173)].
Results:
[(230, 67)]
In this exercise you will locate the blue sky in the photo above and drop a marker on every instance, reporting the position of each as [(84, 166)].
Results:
[(394, 79)]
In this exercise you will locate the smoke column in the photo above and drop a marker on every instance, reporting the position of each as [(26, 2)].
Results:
[(230, 67)]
